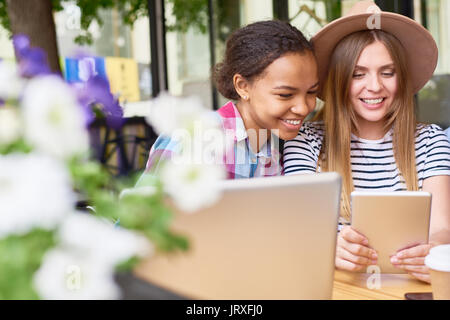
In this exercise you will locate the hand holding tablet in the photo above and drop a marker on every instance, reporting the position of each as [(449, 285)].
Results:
[(353, 252), (412, 261)]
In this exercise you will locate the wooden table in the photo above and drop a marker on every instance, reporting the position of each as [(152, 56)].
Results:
[(353, 286), (347, 285)]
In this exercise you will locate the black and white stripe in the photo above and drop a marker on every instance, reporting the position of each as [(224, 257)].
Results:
[(373, 163)]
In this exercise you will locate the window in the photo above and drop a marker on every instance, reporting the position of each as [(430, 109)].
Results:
[(434, 99), (122, 55)]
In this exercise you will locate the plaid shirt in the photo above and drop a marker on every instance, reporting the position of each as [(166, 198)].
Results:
[(240, 161)]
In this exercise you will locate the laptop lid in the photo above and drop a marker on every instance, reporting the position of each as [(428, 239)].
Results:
[(267, 238)]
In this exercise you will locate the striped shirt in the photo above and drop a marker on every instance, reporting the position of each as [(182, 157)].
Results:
[(239, 159), (372, 161)]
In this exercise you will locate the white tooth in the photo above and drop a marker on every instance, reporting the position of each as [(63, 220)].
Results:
[(373, 101)]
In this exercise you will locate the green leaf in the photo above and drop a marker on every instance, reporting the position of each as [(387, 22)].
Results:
[(188, 14), (19, 146), (20, 258), (89, 176), (128, 265)]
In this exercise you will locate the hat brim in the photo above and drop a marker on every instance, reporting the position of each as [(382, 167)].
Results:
[(420, 48)]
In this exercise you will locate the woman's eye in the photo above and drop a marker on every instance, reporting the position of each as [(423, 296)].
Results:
[(388, 74), (358, 75), (287, 95)]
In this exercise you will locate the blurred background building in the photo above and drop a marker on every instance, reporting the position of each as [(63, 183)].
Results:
[(169, 50)]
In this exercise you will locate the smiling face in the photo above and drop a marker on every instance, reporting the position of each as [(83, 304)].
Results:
[(373, 89), (281, 97)]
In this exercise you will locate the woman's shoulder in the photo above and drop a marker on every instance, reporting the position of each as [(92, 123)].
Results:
[(313, 129), (432, 141), (310, 134), (430, 131)]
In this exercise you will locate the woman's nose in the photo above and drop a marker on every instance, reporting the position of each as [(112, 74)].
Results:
[(301, 108), (374, 83), (304, 106)]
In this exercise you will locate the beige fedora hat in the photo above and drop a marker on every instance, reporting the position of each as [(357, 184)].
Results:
[(421, 49)]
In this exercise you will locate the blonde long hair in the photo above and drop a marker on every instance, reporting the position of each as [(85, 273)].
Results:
[(340, 119)]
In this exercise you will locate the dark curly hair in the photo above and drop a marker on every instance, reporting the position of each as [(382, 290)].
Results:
[(249, 50)]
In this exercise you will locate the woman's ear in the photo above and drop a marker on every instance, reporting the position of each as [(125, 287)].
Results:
[(241, 86)]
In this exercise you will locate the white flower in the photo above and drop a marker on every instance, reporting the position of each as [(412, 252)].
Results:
[(100, 240), (35, 191), (54, 121), (69, 275), (82, 266), (10, 125), (169, 113), (10, 83), (192, 186)]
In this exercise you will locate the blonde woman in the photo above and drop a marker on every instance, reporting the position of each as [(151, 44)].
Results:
[(367, 130)]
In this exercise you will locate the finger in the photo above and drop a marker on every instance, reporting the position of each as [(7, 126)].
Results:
[(360, 250), (413, 269), (343, 264), (411, 245), (409, 261), (351, 235), (356, 259), (417, 251), (421, 277)]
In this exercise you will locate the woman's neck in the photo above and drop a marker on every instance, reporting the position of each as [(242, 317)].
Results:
[(370, 130), (257, 136)]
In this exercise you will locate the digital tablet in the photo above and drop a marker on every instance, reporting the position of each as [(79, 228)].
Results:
[(391, 221)]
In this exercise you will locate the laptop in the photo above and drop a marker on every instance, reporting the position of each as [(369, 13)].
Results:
[(266, 238)]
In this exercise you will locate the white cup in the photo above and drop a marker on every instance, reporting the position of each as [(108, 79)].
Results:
[(438, 261)]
